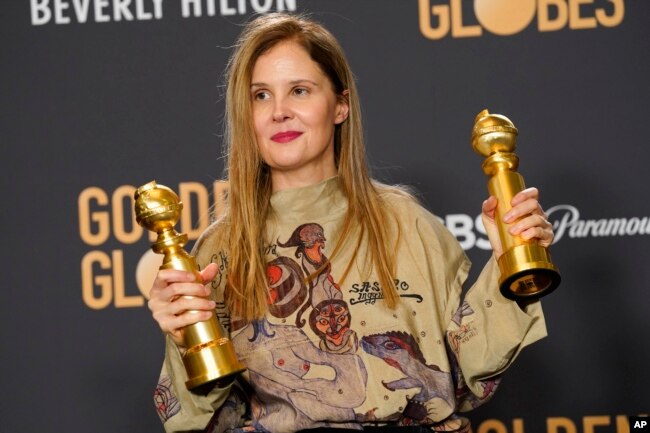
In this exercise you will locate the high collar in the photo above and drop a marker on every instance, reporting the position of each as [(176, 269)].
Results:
[(323, 200)]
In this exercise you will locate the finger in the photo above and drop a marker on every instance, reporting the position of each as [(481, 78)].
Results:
[(542, 236), (534, 227), (529, 221), (174, 324), (167, 302), (190, 303), (165, 277), (190, 318), (522, 209), (164, 303), (488, 210), (489, 205), (166, 313), (187, 289), (210, 271), (177, 290), (523, 195)]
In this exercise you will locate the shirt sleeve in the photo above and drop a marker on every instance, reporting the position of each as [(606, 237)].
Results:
[(486, 334), (180, 409)]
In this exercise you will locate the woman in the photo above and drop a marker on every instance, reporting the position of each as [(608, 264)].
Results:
[(309, 237)]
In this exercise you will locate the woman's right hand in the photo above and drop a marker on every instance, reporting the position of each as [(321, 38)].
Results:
[(176, 300)]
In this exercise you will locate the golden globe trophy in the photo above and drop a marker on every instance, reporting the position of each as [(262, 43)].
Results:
[(526, 268), (210, 355)]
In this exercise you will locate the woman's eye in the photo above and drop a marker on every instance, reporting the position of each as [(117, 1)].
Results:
[(260, 96), (300, 91)]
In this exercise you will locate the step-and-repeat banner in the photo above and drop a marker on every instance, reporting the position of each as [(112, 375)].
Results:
[(102, 96)]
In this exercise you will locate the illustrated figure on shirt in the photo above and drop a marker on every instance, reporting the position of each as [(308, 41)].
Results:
[(286, 285), (464, 330), (400, 350), (330, 320), (330, 316), (319, 385)]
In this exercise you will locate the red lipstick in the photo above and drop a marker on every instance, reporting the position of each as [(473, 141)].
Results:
[(286, 136)]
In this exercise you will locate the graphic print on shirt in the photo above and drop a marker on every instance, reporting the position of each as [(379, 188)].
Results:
[(167, 404), (319, 374), (284, 365), (368, 293), (465, 330), (286, 285), (465, 397), (231, 413), (400, 350), (330, 315)]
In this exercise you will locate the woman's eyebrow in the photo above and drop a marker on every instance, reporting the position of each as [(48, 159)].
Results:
[(303, 80), (292, 82)]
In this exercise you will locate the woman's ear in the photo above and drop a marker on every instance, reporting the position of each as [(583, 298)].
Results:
[(342, 107)]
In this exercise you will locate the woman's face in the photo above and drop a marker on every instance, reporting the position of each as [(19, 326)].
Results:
[(295, 111)]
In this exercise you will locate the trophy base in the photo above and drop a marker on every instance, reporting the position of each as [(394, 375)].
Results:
[(214, 362), (527, 273)]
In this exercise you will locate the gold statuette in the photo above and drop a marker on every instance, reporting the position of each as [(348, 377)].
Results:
[(526, 268), (210, 355)]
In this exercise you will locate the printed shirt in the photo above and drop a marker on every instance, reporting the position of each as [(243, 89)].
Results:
[(329, 353)]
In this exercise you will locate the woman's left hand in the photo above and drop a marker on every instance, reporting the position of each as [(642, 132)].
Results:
[(526, 219)]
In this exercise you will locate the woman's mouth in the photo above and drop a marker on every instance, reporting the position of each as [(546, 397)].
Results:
[(286, 136)]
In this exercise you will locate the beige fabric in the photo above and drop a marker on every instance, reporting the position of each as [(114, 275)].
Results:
[(386, 366)]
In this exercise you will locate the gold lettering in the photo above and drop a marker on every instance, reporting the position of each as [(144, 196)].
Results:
[(544, 21), (103, 282), (553, 424), (121, 299), (517, 425), (492, 426), (615, 18), (589, 423), (88, 217), (440, 11), (459, 30), (120, 216), (578, 22), (187, 190), (622, 424)]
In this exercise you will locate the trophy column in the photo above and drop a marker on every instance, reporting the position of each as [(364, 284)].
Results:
[(210, 355), (526, 268)]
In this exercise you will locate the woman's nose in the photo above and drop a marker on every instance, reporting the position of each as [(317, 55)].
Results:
[(281, 110)]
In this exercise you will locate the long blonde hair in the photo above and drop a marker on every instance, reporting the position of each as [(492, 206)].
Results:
[(248, 203)]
